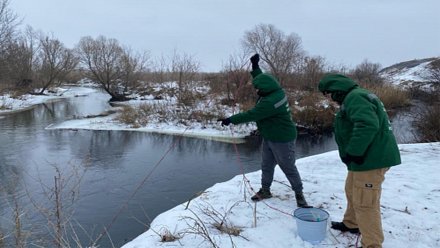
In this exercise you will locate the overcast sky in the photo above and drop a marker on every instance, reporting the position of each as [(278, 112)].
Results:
[(345, 32)]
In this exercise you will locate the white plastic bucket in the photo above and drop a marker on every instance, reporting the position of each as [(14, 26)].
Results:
[(311, 224)]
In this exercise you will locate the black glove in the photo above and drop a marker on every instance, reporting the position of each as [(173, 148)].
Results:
[(254, 60), (356, 159), (225, 122), (345, 160)]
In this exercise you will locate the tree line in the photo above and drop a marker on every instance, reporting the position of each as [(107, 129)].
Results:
[(32, 61)]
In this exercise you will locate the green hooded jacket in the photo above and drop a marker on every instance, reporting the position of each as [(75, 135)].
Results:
[(361, 126), (271, 112)]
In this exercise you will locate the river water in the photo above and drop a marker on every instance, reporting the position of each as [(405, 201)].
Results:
[(125, 178)]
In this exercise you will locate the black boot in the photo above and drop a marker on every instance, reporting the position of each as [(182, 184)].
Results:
[(343, 228), (301, 201), (261, 194)]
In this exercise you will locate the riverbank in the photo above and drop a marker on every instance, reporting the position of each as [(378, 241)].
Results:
[(409, 203), (12, 104), (107, 121)]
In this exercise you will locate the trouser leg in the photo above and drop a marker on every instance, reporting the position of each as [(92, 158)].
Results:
[(367, 191), (267, 166), (350, 216), (284, 153)]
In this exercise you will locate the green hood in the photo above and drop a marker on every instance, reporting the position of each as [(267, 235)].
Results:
[(264, 82), (336, 83)]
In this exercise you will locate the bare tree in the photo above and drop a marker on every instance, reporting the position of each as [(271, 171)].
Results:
[(8, 31), (184, 69), (368, 73), (101, 59), (56, 62), (160, 70), (236, 77), (281, 53), (133, 64), (106, 62), (20, 60), (8, 24), (312, 70)]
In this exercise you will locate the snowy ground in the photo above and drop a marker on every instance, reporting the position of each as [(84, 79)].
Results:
[(213, 131), (410, 200), (411, 77)]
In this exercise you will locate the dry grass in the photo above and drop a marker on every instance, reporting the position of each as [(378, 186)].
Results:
[(128, 115), (230, 230), (167, 236), (391, 96), (136, 116)]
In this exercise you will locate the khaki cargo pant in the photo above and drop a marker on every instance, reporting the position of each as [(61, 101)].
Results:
[(363, 190)]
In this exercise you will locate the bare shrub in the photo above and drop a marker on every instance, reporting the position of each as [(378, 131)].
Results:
[(20, 233), (311, 71), (213, 219), (203, 116), (236, 86), (433, 74), (145, 110), (184, 70), (427, 123), (160, 72), (197, 227), (215, 81), (189, 98), (235, 79), (128, 115), (73, 77), (135, 116), (57, 206), (312, 116), (368, 73)]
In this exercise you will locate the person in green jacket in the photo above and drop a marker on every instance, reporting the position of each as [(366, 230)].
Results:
[(367, 146), (274, 122)]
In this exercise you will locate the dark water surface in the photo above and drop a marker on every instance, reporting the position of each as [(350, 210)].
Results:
[(113, 165)]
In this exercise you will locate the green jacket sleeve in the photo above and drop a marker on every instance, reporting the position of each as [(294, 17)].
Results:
[(256, 72), (262, 110)]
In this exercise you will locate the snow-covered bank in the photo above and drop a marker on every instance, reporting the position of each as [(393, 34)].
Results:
[(9, 104), (211, 131), (410, 200)]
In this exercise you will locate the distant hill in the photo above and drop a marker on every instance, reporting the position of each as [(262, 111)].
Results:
[(413, 73)]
